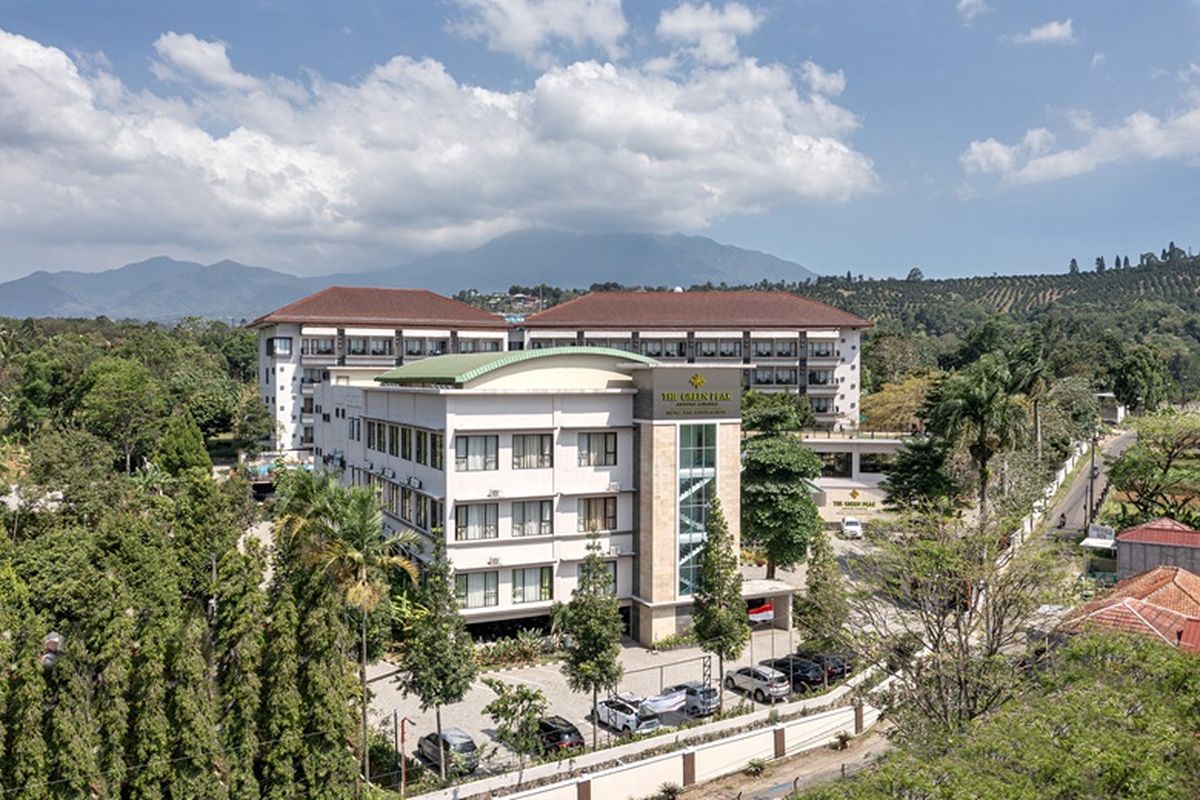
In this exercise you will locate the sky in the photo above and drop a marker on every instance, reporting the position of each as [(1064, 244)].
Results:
[(963, 137)]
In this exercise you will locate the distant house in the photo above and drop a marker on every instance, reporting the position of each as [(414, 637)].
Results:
[(1163, 602), (1161, 542), (1112, 412)]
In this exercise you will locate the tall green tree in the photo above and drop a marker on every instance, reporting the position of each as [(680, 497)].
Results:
[(351, 548), (149, 747), (823, 613), (778, 512), (328, 689), (718, 609), (72, 734), (181, 446), (439, 661), (1142, 380), (282, 709), (123, 405), (196, 763), (920, 479), (977, 406), (591, 624), (26, 758), (516, 711), (238, 633)]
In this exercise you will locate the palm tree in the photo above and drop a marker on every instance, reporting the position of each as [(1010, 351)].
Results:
[(346, 542), (978, 406), (1030, 377)]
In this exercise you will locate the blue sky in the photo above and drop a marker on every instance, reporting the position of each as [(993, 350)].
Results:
[(961, 136)]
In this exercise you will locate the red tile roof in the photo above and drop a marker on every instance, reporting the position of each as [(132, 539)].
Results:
[(694, 309), (1163, 602), (396, 308), (1190, 640), (1162, 531)]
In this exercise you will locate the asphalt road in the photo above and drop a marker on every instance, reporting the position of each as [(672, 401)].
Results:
[(1073, 503)]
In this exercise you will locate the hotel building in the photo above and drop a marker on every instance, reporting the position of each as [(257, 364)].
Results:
[(516, 459), (360, 331), (779, 341)]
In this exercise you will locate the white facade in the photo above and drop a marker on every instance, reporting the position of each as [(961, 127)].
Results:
[(491, 517), (823, 364)]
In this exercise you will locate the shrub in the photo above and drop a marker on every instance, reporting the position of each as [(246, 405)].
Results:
[(669, 791), (755, 767), (686, 639)]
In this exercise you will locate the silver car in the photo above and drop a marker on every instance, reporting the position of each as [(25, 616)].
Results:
[(762, 683)]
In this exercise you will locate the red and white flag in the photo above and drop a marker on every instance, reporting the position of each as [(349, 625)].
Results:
[(763, 613)]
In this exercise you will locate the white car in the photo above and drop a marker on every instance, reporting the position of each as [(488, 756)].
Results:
[(622, 716), (762, 683), (851, 528)]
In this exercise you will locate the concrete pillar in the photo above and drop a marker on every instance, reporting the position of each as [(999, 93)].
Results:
[(858, 719), (689, 768), (780, 742), (583, 790)]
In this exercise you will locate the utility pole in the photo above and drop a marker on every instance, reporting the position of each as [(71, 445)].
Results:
[(1091, 509)]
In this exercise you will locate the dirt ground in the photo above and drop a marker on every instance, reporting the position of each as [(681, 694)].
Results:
[(800, 771)]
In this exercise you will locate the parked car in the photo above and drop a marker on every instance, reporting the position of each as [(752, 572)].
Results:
[(851, 528), (461, 754), (670, 699), (699, 700), (837, 665), (627, 717), (558, 734), (762, 683), (804, 673)]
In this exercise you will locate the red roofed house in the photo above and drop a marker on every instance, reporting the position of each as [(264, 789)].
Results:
[(364, 329), (1161, 542), (1163, 602), (786, 342)]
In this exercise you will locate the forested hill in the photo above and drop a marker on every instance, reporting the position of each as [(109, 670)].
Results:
[(941, 306)]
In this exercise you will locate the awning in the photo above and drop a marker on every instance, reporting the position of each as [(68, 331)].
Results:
[(1094, 543)]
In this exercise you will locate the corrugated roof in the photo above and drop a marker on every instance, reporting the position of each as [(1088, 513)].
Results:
[(392, 308), (735, 310), (460, 368), (1163, 530)]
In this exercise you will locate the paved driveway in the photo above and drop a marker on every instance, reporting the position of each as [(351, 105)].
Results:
[(646, 673)]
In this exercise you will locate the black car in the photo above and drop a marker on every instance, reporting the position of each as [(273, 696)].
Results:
[(558, 734), (804, 673), (461, 754), (837, 665)]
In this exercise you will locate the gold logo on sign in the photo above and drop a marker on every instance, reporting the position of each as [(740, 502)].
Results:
[(697, 380), (854, 494)]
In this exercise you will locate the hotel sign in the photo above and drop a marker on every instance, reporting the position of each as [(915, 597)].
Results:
[(682, 393)]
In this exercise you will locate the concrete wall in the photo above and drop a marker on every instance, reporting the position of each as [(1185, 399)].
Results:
[(1137, 557)]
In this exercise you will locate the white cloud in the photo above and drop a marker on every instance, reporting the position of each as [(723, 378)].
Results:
[(1098, 59), (404, 160), (1140, 135), (529, 29), (183, 57), (711, 33), (970, 9), (1051, 33), (830, 84), (1190, 73)]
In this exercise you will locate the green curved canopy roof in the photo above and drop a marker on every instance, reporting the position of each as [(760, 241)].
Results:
[(459, 368)]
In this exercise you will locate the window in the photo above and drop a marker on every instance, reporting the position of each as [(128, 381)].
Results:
[(475, 453), (466, 345), (532, 585), (597, 449), (393, 440), (763, 348), (306, 407), (697, 477), (820, 349), (279, 346), (437, 451), (422, 447), (306, 436), (731, 348), (382, 347), (414, 347), (820, 377), (437, 514), (477, 589), (476, 521), (310, 376), (489, 346), (764, 375), (835, 465), (532, 450), (706, 348), (821, 405), (436, 347), (422, 521), (876, 463), (356, 346), (611, 567), (406, 503), (652, 347), (597, 514), (785, 348), (317, 347), (372, 434), (786, 376), (406, 443), (533, 518)]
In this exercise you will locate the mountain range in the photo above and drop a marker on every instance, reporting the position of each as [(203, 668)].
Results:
[(164, 289)]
